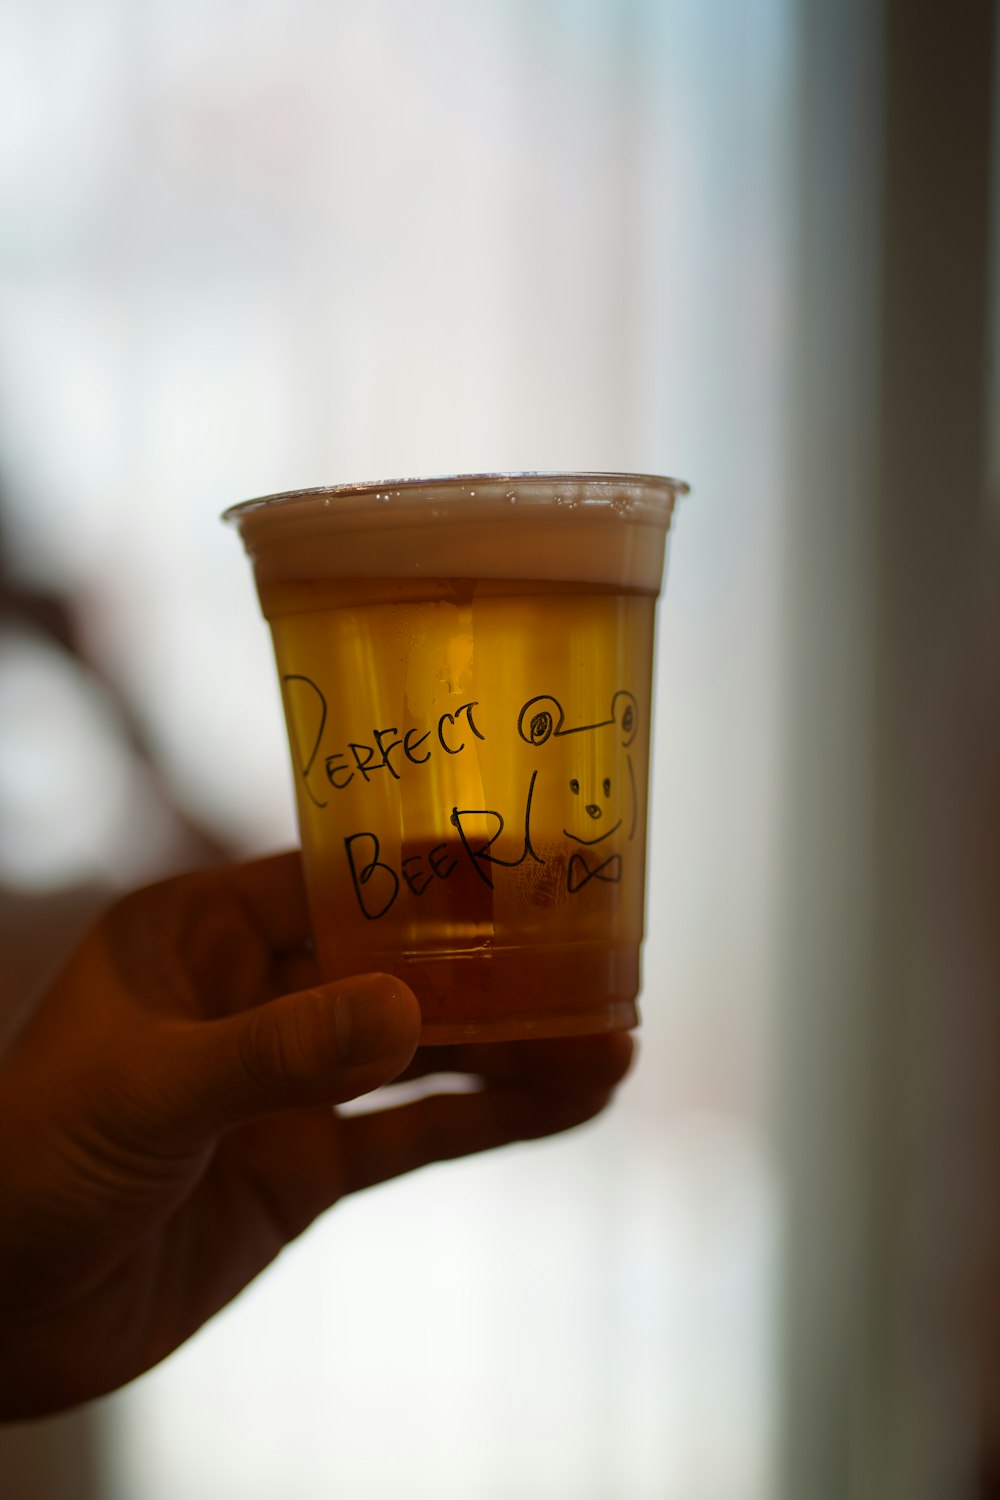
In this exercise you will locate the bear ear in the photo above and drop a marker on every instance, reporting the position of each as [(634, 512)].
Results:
[(625, 713), (539, 719)]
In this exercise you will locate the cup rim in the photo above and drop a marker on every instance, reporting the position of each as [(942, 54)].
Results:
[(456, 483)]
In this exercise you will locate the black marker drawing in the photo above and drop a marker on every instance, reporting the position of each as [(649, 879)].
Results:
[(362, 872), (579, 873), (547, 718), (590, 807), (599, 805), (306, 766), (481, 857), (385, 748), (466, 709)]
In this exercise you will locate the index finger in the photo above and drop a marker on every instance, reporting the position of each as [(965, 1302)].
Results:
[(213, 941), (270, 892), (273, 892)]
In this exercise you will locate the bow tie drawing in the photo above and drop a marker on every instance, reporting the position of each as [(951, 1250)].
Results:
[(579, 872)]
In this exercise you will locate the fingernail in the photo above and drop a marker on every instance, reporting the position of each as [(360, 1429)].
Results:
[(370, 1017)]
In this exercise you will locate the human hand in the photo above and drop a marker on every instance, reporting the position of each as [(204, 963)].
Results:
[(165, 1121)]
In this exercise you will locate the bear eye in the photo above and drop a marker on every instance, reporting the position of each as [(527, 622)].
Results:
[(607, 786), (540, 727), (574, 787)]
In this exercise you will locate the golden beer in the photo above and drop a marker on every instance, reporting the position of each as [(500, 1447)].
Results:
[(466, 669)]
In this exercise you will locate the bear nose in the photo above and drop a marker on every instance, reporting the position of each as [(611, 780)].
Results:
[(593, 809)]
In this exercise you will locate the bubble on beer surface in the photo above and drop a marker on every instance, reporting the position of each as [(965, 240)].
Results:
[(394, 544)]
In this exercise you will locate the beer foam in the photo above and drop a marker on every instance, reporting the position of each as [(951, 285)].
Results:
[(606, 529)]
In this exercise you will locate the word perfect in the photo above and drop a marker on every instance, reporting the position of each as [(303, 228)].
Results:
[(385, 748)]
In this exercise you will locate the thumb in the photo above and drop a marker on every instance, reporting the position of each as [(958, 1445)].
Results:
[(319, 1046)]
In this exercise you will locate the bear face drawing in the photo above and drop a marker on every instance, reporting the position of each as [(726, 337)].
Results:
[(597, 799)]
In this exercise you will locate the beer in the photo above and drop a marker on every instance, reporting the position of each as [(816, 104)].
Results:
[(470, 751)]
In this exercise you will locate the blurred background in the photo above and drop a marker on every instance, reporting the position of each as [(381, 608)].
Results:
[(247, 247)]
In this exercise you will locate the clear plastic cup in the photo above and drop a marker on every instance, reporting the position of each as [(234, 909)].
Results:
[(466, 669)]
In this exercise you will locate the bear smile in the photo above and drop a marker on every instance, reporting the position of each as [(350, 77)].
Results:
[(606, 835)]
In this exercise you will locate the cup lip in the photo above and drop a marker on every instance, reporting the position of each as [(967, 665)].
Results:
[(457, 482)]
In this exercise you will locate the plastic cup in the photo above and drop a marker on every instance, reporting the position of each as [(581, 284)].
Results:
[(466, 669)]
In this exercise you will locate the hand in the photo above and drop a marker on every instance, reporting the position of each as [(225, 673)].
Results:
[(165, 1121)]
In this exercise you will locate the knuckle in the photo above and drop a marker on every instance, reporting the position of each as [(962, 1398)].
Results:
[(307, 1036), (260, 1052), (283, 1045)]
